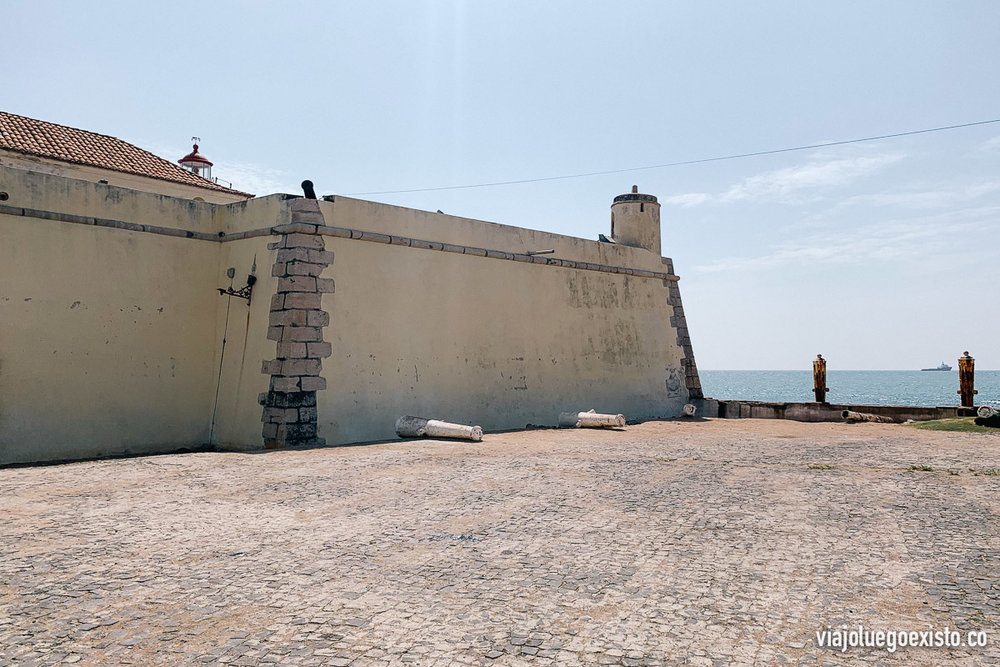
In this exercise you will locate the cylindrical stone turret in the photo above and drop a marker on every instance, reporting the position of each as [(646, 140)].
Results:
[(635, 220)]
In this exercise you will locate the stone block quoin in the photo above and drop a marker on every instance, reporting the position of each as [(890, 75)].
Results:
[(679, 322), (296, 323)]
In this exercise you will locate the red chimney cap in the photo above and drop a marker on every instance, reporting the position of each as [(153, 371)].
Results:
[(195, 158)]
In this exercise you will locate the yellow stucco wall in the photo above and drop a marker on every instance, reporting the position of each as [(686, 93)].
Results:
[(237, 422), (106, 340), (48, 192), (476, 340), (111, 339)]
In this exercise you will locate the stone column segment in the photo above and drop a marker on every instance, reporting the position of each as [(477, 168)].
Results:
[(679, 322), (296, 325)]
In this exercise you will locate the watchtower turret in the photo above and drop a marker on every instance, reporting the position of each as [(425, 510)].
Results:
[(635, 220)]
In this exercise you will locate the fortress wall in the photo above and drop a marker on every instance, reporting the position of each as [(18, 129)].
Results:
[(237, 415), (237, 412), (494, 342), (439, 227), (48, 192), (106, 340), (110, 336), (114, 338)]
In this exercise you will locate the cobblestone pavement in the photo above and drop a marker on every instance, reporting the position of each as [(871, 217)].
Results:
[(705, 543)]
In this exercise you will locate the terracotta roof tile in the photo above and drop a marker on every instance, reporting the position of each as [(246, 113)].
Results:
[(59, 142)]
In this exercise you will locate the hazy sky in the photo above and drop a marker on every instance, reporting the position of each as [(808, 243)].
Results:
[(880, 255)]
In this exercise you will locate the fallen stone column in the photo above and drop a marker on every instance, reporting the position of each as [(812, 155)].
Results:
[(590, 419), (850, 417), (417, 427)]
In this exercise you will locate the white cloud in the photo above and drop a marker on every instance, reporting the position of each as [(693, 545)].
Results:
[(788, 184), (991, 145), (687, 200), (249, 177), (891, 240), (792, 184), (922, 198)]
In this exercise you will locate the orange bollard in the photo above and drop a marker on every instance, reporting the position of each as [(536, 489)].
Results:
[(819, 379), (967, 379)]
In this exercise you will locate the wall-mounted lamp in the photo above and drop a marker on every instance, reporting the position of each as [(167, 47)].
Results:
[(244, 292)]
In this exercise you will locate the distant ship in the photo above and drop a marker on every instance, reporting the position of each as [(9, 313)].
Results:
[(942, 367)]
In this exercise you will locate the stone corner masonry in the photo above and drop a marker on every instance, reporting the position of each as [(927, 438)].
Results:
[(296, 325), (679, 321)]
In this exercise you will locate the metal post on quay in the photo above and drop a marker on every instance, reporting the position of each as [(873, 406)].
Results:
[(967, 379), (819, 379)]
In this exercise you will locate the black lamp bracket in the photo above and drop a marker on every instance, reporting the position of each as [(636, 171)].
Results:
[(244, 292)]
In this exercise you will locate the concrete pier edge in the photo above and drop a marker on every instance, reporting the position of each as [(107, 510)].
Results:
[(821, 412)]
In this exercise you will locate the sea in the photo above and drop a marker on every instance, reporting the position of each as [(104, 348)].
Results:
[(915, 388)]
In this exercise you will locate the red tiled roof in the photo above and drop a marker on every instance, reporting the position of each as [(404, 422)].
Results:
[(59, 142)]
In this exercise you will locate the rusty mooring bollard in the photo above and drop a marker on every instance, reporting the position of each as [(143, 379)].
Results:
[(967, 379), (819, 379)]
